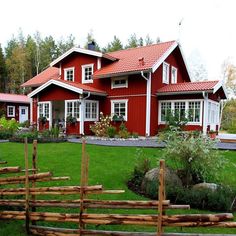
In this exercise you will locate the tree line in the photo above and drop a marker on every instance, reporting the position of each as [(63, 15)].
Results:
[(26, 56)]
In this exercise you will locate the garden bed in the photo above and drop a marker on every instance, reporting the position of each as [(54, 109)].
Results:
[(40, 140)]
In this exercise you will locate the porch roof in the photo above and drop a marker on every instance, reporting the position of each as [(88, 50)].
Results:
[(14, 98), (193, 87), (72, 86)]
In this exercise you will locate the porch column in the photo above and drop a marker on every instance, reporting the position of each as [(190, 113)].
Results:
[(205, 113), (82, 110)]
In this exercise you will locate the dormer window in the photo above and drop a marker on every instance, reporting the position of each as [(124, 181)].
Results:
[(173, 75), (69, 74), (165, 73), (119, 82), (87, 72)]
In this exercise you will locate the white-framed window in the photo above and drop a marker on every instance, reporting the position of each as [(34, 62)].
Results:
[(119, 82), (72, 108), (191, 109), (91, 110), (165, 73), (69, 74), (120, 108), (11, 111), (194, 109), (87, 72), (213, 112), (173, 75), (165, 110), (43, 109)]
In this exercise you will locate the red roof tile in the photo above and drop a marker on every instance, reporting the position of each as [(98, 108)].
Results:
[(128, 60), (15, 98), (43, 77), (187, 87)]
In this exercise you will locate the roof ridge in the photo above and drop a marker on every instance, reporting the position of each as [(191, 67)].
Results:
[(211, 81), (146, 46)]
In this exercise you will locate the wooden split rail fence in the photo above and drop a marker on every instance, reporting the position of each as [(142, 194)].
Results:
[(83, 219)]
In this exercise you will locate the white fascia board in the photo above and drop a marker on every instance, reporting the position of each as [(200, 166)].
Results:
[(183, 92), (164, 56), (218, 86), (58, 83), (83, 51)]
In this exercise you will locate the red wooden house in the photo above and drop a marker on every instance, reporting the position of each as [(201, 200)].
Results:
[(140, 84), (15, 106)]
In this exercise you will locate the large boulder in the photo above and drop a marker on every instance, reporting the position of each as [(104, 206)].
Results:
[(150, 182)]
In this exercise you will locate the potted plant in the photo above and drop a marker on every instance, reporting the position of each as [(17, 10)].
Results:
[(115, 117), (212, 134), (42, 119), (71, 120)]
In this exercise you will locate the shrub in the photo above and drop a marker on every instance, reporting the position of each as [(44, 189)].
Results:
[(8, 128), (29, 135), (176, 119), (100, 128), (123, 132), (5, 134), (134, 135), (111, 131), (195, 158)]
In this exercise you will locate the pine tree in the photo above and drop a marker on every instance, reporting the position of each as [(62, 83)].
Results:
[(90, 38), (2, 71), (132, 41), (115, 45), (148, 40), (140, 41), (65, 45)]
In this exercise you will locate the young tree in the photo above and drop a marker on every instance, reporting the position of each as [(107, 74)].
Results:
[(115, 45), (90, 38), (148, 40), (2, 71), (140, 41), (132, 41)]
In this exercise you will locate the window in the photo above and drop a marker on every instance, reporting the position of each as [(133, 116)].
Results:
[(44, 109), (165, 74), (120, 108), (165, 110), (11, 111), (119, 82), (213, 112), (72, 109), (194, 109), (87, 72), (69, 74), (179, 110), (173, 75), (91, 110)]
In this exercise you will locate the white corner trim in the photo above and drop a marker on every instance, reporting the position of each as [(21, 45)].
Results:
[(164, 56), (55, 82)]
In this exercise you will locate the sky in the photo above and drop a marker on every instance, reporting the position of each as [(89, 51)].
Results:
[(207, 26)]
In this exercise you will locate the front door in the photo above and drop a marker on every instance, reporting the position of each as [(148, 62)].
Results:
[(23, 114)]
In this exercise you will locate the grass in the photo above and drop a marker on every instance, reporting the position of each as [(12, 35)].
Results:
[(109, 166)]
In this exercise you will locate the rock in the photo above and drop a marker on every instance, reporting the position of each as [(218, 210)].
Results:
[(209, 186), (150, 181)]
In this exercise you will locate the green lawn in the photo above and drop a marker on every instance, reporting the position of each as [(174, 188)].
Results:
[(109, 166)]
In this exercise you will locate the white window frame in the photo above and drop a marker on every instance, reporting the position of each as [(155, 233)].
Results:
[(113, 85), (174, 78), (186, 109), (65, 73), (216, 111), (165, 79), (13, 111), (49, 107), (73, 115), (97, 115), (113, 102), (84, 81)]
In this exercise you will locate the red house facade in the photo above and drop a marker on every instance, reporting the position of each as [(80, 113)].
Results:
[(140, 84), (15, 106)]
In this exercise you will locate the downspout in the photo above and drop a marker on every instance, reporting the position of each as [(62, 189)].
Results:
[(148, 102), (82, 114), (205, 113)]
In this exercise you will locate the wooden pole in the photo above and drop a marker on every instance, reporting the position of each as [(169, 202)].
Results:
[(27, 218), (160, 198), (34, 166)]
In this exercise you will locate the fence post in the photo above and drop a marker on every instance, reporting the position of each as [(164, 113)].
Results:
[(34, 167), (27, 218), (161, 197)]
